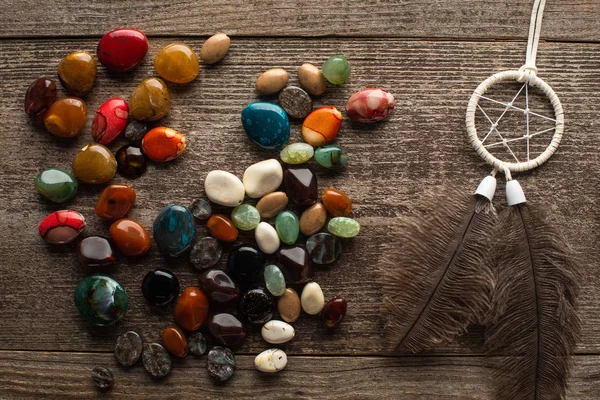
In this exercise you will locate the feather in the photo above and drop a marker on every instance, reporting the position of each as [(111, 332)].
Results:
[(534, 323), (439, 283)]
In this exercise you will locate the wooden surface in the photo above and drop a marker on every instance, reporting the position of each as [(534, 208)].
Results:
[(408, 47)]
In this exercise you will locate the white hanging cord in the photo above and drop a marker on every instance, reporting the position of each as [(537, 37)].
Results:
[(535, 26)]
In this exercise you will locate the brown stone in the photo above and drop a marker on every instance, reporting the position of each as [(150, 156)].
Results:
[(288, 306), (313, 219), (272, 204)]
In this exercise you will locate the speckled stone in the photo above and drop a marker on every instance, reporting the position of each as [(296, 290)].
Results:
[(295, 101), (245, 217), (274, 280), (157, 361), (221, 363), (343, 227), (103, 377), (135, 131), (256, 306), (201, 209), (197, 343), (206, 253), (296, 153), (128, 348), (266, 124)]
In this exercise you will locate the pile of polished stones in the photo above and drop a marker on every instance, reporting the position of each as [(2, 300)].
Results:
[(259, 279)]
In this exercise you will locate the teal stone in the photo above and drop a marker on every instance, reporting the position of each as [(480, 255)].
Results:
[(297, 153), (287, 226), (274, 280), (343, 227), (331, 156), (336, 70), (245, 217), (174, 230), (101, 300), (56, 185), (266, 124)]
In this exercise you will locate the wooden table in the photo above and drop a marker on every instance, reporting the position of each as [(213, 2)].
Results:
[(431, 55)]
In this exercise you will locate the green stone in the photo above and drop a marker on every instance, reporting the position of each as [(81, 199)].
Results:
[(343, 227), (287, 226), (101, 300), (297, 153), (274, 280), (331, 156), (336, 70), (56, 185), (245, 217)]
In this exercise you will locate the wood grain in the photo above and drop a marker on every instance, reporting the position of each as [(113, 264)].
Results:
[(461, 19)]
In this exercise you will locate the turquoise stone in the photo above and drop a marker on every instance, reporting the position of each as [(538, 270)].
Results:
[(336, 70), (343, 227), (56, 185), (331, 156), (287, 226), (245, 217), (266, 124), (101, 300), (297, 153), (274, 280), (174, 230)]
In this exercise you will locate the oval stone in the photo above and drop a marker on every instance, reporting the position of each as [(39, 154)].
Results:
[(174, 341), (177, 63), (101, 300), (174, 230), (312, 299), (288, 227), (121, 50), (110, 120), (163, 144), (128, 348), (288, 305), (272, 204), (66, 117), (295, 101), (197, 343), (300, 185), (135, 131), (295, 264), (321, 126), (191, 309), (131, 237), (160, 287), (267, 238), (336, 202), (224, 188), (313, 219), (245, 264), (274, 280), (256, 306), (221, 363), (77, 72), (39, 97), (219, 287), (56, 185), (206, 253), (245, 217), (156, 360), (336, 69), (311, 79), (271, 361), (226, 329), (324, 248), (334, 312), (370, 105), (297, 153), (201, 209), (222, 228), (115, 202), (262, 178), (266, 124), (331, 157), (94, 164), (277, 332), (96, 251), (271, 81), (343, 227), (215, 48), (62, 227), (150, 100), (131, 161)]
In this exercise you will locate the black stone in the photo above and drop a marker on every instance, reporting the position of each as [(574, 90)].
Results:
[(300, 185), (256, 306), (221, 363), (218, 286), (226, 329), (131, 161), (103, 377), (96, 251), (324, 248), (197, 343), (245, 265), (157, 361), (295, 265), (128, 348), (135, 131), (160, 287)]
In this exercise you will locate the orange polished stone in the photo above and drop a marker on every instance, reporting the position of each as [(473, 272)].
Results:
[(66, 117), (321, 126), (222, 228), (191, 309), (115, 202), (175, 341), (336, 202), (163, 144), (130, 237)]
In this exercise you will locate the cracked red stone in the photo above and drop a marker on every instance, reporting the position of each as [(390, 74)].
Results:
[(110, 120)]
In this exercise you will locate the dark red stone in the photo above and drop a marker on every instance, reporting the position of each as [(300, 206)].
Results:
[(110, 120), (219, 287), (123, 49), (226, 329), (295, 264), (96, 251), (300, 185), (39, 97), (334, 311)]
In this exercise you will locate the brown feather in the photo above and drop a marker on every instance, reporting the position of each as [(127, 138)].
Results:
[(440, 283), (534, 322)]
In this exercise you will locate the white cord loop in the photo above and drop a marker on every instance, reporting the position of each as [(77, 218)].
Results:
[(529, 70)]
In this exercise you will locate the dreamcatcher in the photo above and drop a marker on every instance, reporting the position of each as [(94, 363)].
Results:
[(464, 264)]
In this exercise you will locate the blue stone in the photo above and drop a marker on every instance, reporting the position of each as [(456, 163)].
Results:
[(174, 230), (266, 124)]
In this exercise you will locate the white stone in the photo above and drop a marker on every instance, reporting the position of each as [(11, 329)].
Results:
[(277, 332), (263, 178), (224, 188), (312, 299), (272, 360), (267, 238)]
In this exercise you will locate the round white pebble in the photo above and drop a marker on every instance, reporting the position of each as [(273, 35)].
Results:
[(267, 238), (262, 178), (272, 360), (224, 188), (277, 332), (312, 299)]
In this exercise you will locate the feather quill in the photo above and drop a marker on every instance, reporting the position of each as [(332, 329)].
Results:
[(439, 284), (534, 323)]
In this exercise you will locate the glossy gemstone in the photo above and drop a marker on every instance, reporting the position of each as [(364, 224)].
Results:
[(297, 153), (312, 299), (174, 341), (245, 264), (262, 178), (160, 287), (343, 227), (66, 117), (121, 50), (156, 360), (191, 309), (77, 72), (131, 237), (115, 202), (256, 306), (277, 332), (103, 378), (62, 227), (267, 238), (295, 264), (39, 97), (289, 306), (266, 124), (321, 126), (56, 185), (201, 209), (174, 230), (336, 202), (221, 363), (245, 217), (331, 156), (101, 300), (94, 164), (110, 120), (128, 348), (96, 251), (224, 188), (288, 227), (197, 343), (177, 63), (300, 185), (135, 131), (219, 287), (334, 312), (313, 219), (163, 144), (206, 253), (150, 100), (226, 329), (295, 101), (336, 69), (324, 248), (272, 204), (274, 280), (370, 105), (222, 228), (131, 161)]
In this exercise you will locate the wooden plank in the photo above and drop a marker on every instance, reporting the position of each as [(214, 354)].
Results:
[(67, 376), (422, 146), (461, 19)]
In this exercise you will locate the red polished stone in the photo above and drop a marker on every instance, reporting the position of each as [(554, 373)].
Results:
[(219, 287), (110, 120), (191, 309), (39, 97), (123, 49), (296, 265), (334, 311), (226, 329), (62, 226)]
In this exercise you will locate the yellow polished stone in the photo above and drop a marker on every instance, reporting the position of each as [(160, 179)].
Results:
[(177, 63), (150, 100)]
